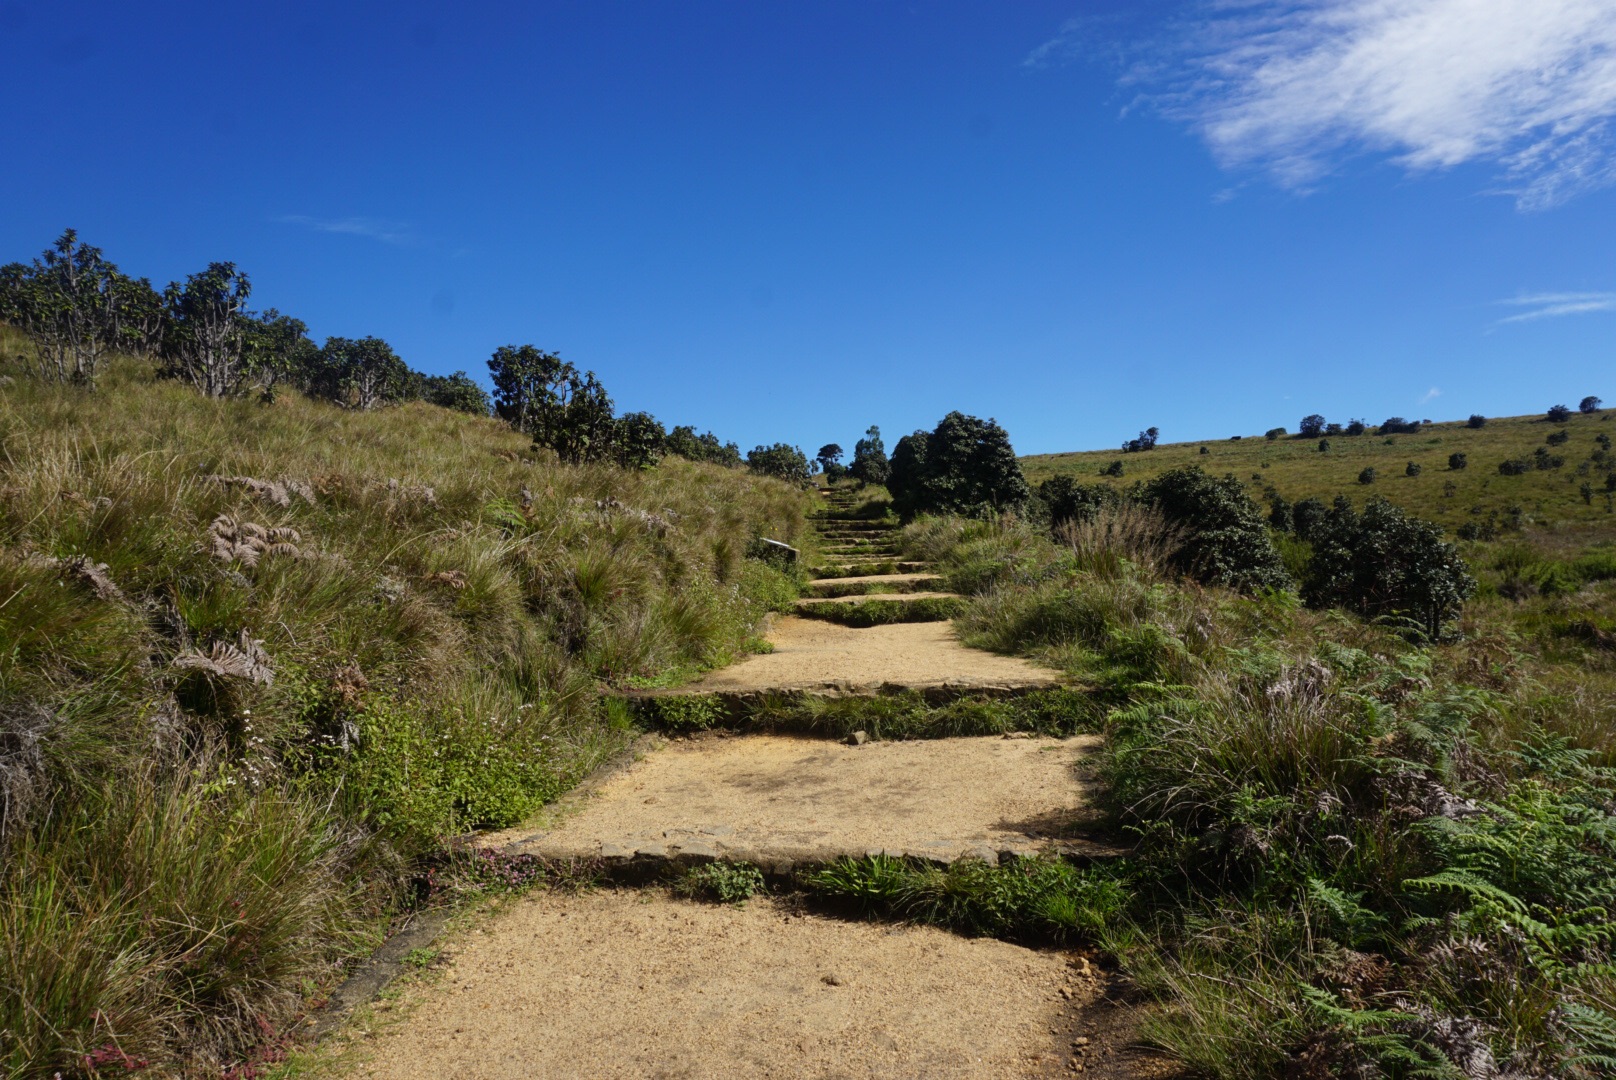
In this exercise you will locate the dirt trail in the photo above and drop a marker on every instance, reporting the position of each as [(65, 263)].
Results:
[(635, 983), (629, 984)]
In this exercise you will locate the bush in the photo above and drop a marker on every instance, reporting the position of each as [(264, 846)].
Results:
[(1514, 467), (1355, 427), (1228, 542), (1306, 514), (1062, 499), (639, 441), (1274, 433), (1385, 564), (721, 882), (781, 461), (1367, 476), (1324, 446), (458, 392), (1557, 414), (1311, 427), (1542, 459), (1558, 438), (1411, 469), (1476, 420), (964, 466), (1457, 462), (1113, 469), (1396, 425), (1589, 404)]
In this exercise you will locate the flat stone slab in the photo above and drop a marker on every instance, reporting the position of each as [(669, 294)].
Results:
[(621, 983), (783, 802), (864, 598), (817, 656)]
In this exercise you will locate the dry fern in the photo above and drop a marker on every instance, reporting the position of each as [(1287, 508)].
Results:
[(243, 659)]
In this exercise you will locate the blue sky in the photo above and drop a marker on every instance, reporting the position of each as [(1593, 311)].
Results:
[(792, 220)]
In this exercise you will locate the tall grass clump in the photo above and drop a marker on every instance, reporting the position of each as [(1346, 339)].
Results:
[(1357, 852), (310, 644)]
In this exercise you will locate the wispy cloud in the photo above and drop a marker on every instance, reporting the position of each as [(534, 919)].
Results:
[(397, 233), (1554, 305), (1430, 396), (1293, 87)]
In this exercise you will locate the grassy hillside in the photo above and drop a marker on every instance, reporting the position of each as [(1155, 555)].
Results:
[(257, 660), (1477, 493)]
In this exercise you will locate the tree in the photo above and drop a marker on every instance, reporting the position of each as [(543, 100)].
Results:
[(640, 441), (138, 316), (1476, 421), (830, 455), (1274, 433), (67, 303), (1557, 414), (207, 329), (1385, 564), (1589, 404), (1306, 515), (459, 392), (576, 420), (1396, 425), (1311, 427), (1228, 543), (966, 466), (359, 373), (781, 461), (524, 377), (870, 464), (276, 348), (1146, 441), (1355, 427)]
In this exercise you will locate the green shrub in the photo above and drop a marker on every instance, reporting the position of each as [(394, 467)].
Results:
[(1226, 540), (963, 466), (721, 882)]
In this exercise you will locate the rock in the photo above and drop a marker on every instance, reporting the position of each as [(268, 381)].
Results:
[(830, 980), (858, 738)]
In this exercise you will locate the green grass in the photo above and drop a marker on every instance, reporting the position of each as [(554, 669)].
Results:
[(866, 613), (1453, 498), (907, 714), (224, 764)]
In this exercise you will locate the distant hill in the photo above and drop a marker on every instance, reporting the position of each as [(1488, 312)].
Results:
[(1296, 468)]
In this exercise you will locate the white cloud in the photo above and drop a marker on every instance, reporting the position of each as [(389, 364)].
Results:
[(396, 233), (1554, 305), (1294, 86), (1430, 395)]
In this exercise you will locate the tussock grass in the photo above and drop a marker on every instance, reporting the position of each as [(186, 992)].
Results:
[(866, 613), (391, 627)]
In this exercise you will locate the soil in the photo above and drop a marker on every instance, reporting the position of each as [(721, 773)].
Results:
[(812, 654), (774, 799), (637, 984)]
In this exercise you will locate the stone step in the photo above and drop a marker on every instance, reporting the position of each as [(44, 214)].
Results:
[(874, 584), (861, 567)]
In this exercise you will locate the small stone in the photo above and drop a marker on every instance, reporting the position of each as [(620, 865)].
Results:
[(830, 980), (1081, 1040), (858, 738)]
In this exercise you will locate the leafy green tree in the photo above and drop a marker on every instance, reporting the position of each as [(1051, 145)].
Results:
[(1385, 564), (1355, 427), (684, 441), (1228, 541), (1274, 433), (1311, 427), (830, 454), (640, 441), (1396, 425), (966, 467), (1146, 440), (1589, 404), (1557, 414), (576, 422), (781, 461), (206, 331), (276, 348), (525, 379), (67, 303), (138, 315), (359, 373), (459, 392), (870, 464)]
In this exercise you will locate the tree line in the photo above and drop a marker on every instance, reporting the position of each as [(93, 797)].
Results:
[(78, 308)]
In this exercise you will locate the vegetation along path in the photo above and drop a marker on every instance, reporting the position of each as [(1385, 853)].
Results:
[(868, 733)]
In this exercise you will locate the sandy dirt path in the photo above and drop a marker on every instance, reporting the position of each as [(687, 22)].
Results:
[(635, 984)]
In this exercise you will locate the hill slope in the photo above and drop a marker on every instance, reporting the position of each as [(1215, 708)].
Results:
[(1297, 469)]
